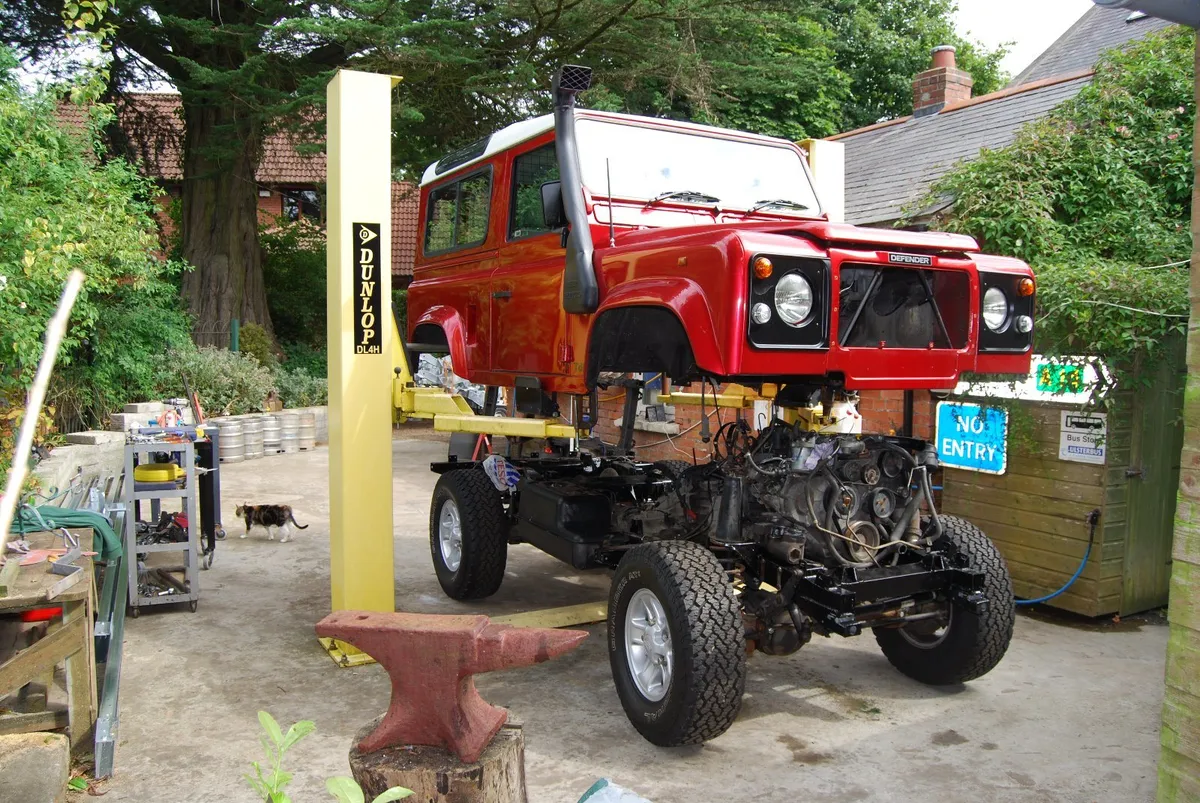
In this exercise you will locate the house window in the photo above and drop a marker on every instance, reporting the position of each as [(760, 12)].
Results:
[(530, 171), (301, 203), (457, 215)]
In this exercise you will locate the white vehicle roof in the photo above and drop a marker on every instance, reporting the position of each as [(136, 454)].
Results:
[(517, 133)]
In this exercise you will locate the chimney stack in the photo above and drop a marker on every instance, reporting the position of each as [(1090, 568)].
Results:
[(941, 85)]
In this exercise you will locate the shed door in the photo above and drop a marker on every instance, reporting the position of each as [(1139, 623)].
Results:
[(1157, 441)]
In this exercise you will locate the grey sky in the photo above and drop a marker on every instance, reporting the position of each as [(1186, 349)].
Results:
[(1031, 25)]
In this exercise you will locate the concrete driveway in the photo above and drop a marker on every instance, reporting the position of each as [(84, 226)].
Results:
[(1070, 715)]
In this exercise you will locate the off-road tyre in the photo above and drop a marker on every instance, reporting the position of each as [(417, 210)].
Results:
[(484, 534), (673, 467), (974, 643), (707, 639)]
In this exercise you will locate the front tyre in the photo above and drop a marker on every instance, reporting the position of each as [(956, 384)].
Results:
[(961, 645), (468, 534), (675, 643)]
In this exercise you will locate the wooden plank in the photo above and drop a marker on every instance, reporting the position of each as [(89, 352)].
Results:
[(56, 719), (33, 581), (1054, 544), (32, 662), (1041, 487), (1065, 565), (1119, 456), (1050, 468), (8, 574), (1047, 581), (998, 495), (978, 510), (1152, 497), (567, 616), (1116, 494), (1084, 605), (981, 511)]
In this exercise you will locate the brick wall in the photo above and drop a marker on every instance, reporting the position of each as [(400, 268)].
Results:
[(270, 207), (654, 445), (882, 411)]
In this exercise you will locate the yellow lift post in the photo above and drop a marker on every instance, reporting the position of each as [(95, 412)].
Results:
[(359, 275)]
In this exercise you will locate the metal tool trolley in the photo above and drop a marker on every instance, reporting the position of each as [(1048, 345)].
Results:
[(150, 583)]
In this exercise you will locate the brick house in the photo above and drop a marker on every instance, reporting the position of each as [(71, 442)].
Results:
[(290, 178), (891, 165)]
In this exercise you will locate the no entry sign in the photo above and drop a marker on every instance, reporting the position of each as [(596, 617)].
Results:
[(972, 437)]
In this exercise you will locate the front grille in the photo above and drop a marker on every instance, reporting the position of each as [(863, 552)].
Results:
[(885, 307)]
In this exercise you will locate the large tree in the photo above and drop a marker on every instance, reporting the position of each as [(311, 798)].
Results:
[(881, 44)]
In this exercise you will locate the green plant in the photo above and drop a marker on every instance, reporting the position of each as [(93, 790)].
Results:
[(254, 340), (298, 388), (347, 790), (227, 382), (310, 359), (270, 786), (1097, 198), (294, 272), (64, 208), (400, 307)]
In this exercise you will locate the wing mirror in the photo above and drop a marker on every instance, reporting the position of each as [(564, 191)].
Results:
[(554, 214)]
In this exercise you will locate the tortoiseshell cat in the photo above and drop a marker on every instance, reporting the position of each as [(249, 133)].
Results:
[(268, 516)]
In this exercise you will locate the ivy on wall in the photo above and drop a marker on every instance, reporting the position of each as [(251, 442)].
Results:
[(1096, 196)]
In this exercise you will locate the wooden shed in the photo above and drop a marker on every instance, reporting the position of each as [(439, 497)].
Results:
[(1037, 511)]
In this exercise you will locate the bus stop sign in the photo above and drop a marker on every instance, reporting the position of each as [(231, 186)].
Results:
[(972, 437)]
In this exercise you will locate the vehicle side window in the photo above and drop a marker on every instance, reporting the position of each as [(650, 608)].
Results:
[(530, 171), (458, 214)]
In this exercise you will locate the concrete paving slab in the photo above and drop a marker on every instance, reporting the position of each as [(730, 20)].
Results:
[(34, 767), (1070, 716)]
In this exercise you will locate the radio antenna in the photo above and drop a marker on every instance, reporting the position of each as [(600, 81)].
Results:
[(612, 237)]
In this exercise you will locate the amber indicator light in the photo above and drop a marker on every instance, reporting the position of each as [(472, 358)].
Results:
[(1025, 287), (763, 268)]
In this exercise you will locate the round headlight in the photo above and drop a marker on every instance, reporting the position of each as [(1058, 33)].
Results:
[(1024, 324), (794, 299), (995, 309), (760, 313)]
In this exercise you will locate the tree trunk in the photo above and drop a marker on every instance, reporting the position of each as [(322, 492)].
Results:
[(220, 221), (435, 774)]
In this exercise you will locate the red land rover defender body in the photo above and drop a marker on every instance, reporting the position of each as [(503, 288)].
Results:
[(715, 261), (682, 216)]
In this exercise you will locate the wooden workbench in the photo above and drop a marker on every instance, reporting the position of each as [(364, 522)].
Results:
[(68, 641)]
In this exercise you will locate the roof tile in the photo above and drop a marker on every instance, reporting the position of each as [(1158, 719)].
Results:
[(890, 167), (1098, 30)]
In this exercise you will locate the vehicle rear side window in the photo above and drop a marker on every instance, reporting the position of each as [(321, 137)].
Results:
[(458, 214), (530, 171)]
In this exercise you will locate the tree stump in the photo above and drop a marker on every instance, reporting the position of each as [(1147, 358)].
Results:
[(437, 776)]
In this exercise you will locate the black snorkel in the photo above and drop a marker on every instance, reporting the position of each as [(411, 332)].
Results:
[(581, 294)]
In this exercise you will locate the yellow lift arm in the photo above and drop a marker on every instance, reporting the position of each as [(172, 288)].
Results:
[(450, 412)]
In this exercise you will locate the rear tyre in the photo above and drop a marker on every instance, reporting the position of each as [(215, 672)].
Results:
[(675, 643), (468, 534), (962, 645)]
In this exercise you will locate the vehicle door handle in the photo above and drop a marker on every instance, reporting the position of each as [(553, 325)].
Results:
[(502, 294)]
